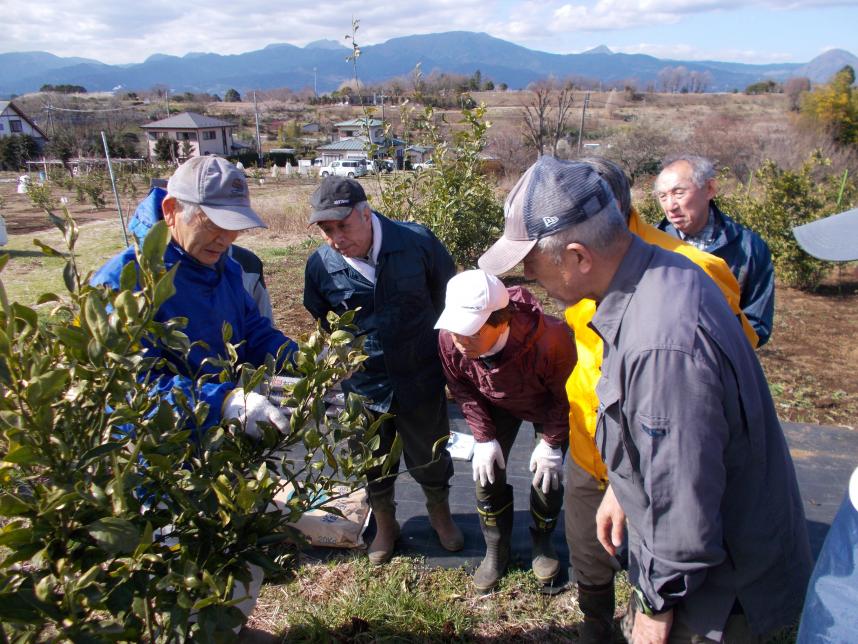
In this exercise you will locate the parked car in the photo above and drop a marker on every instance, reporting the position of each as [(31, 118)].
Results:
[(345, 168), (425, 165)]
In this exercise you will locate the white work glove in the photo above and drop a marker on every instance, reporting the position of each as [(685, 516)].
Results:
[(484, 459), (250, 408), (547, 463)]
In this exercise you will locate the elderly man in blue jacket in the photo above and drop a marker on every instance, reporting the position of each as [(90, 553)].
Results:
[(206, 206), (685, 188), (395, 275)]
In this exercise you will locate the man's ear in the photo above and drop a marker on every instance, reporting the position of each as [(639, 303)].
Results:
[(170, 209), (711, 189), (582, 255)]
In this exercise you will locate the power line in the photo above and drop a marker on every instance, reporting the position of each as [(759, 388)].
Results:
[(68, 109)]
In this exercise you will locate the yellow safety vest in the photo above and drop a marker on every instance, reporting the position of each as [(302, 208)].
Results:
[(581, 385)]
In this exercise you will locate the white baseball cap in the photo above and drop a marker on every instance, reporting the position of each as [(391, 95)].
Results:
[(472, 296)]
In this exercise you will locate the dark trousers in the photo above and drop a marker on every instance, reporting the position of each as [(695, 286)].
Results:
[(423, 430), (544, 508)]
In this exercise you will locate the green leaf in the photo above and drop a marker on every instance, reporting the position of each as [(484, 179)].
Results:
[(115, 535), (27, 314), (70, 277), (12, 506), (21, 455), (155, 243), (47, 250), (46, 387), (4, 258), (96, 318), (128, 277), (126, 304), (44, 298), (98, 451), (59, 222), (165, 289), (72, 336)]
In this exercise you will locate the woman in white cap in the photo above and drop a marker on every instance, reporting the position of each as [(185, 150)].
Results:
[(507, 362)]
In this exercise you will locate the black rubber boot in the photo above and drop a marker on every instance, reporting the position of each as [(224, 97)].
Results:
[(544, 510), (496, 523), (544, 561), (597, 604)]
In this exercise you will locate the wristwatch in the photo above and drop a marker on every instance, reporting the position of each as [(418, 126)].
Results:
[(643, 606)]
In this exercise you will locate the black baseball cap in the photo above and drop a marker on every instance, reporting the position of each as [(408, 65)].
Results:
[(335, 198)]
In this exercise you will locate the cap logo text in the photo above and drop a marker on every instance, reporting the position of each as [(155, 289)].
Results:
[(550, 221), (340, 202)]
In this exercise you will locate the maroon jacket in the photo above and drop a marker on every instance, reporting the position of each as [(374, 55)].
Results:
[(529, 381)]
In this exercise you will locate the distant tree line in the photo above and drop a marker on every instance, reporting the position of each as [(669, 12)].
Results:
[(63, 89)]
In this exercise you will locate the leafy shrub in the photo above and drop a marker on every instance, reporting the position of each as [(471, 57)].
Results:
[(118, 524), (455, 199), (16, 150), (781, 199), (91, 186), (40, 195)]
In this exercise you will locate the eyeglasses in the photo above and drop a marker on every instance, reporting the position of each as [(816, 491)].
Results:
[(209, 226)]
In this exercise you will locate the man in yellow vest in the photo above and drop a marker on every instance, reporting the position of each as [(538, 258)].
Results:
[(586, 474)]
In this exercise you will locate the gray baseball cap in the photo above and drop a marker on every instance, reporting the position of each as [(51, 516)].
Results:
[(551, 196), (219, 189)]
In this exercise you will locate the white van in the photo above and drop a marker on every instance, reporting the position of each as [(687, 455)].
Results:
[(344, 168)]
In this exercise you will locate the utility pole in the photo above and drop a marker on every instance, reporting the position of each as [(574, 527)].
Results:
[(258, 140), (51, 118), (315, 91), (167, 96), (583, 113)]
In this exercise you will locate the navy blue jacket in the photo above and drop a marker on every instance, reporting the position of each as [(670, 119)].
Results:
[(207, 297), (397, 314), (748, 256)]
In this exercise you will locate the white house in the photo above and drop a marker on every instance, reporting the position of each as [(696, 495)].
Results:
[(353, 140), (204, 135), (13, 121)]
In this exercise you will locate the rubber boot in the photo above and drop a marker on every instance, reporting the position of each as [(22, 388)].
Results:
[(496, 525), (386, 528), (544, 511), (544, 561), (438, 507), (597, 604)]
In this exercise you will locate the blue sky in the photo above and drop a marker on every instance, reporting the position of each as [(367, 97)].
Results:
[(750, 31)]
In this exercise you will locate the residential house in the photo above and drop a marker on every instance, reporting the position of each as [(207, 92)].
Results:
[(353, 140), (197, 135), (13, 121)]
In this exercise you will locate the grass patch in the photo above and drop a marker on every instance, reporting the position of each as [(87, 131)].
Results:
[(29, 273), (349, 600)]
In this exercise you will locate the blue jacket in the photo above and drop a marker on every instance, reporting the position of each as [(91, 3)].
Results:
[(397, 314), (207, 297), (748, 256), (148, 212)]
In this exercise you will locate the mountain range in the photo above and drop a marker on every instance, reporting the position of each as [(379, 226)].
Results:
[(323, 64)]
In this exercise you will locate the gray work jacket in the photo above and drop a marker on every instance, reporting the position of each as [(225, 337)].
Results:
[(695, 453)]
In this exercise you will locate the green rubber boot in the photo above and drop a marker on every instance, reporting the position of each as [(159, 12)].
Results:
[(497, 531)]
